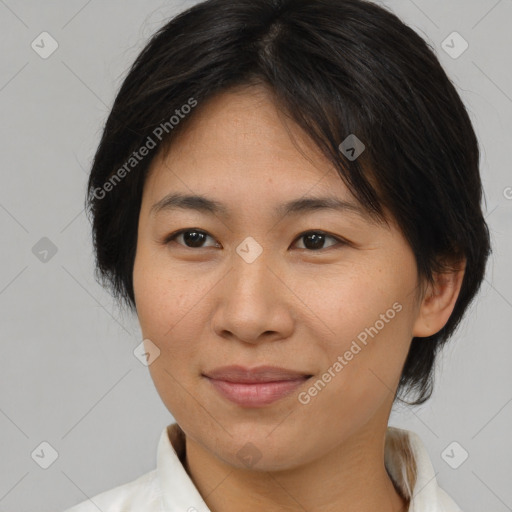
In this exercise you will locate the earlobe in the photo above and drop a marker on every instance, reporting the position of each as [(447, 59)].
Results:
[(438, 302)]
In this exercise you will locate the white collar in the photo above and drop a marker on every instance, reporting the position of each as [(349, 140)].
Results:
[(406, 460)]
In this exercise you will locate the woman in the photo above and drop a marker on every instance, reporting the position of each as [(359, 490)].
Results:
[(287, 194)]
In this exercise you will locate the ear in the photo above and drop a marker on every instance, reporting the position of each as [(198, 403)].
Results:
[(438, 301)]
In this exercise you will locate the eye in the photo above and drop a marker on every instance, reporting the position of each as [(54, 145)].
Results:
[(314, 240), (193, 238)]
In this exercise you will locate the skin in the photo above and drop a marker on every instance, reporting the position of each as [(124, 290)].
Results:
[(204, 306)]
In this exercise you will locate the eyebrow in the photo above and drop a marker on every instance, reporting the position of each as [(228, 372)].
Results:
[(209, 206)]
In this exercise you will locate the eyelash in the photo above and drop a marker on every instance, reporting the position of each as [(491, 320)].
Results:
[(341, 242)]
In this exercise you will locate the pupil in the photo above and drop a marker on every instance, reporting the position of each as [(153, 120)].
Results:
[(317, 239), (194, 239)]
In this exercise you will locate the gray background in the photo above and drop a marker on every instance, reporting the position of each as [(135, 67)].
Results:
[(67, 369)]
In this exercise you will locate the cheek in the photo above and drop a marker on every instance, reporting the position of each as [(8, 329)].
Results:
[(368, 320), (167, 317), (172, 309), (362, 371), (349, 301), (163, 295)]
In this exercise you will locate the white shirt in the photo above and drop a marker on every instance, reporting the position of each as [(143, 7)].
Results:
[(168, 488)]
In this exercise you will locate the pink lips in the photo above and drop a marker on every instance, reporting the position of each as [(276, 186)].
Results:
[(255, 387)]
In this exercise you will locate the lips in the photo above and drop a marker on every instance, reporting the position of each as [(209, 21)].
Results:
[(239, 374), (256, 387)]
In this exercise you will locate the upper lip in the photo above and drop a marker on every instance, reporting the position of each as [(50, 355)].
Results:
[(258, 374)]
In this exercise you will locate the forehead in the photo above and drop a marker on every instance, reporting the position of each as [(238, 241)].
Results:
[(240, 149), (244, 127)]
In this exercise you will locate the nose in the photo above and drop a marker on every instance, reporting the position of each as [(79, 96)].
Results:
[(253, 302)]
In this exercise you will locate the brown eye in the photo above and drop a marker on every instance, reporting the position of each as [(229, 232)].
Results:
[(192, 238), (315, 240)]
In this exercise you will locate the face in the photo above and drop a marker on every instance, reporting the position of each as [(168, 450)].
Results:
[(324, 292)]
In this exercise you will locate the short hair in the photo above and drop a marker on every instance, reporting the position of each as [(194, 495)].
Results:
[(336, 68)]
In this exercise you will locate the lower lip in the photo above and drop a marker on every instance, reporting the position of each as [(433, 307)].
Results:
[(257, 394)]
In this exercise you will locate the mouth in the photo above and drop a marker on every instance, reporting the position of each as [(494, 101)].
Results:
[(257, 387), (240, 374)]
